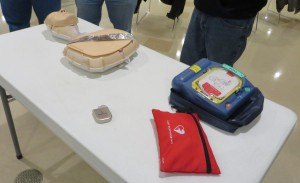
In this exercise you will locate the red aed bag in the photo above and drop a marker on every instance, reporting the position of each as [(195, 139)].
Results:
[(183, 145)]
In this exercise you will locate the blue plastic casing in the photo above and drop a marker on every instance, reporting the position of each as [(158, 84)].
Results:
[(182, 84)]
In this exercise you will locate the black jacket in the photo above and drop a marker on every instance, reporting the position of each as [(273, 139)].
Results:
[(236, 9), (176, 9)]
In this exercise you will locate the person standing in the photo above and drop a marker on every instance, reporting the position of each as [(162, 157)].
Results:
[(120, 12), (219, 29), (17, 13)]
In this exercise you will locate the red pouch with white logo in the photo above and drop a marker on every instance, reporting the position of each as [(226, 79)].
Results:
[(183, 145)]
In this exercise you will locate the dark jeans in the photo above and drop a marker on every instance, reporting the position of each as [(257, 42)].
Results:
[(120, 12), (17, 13), (218, 39)]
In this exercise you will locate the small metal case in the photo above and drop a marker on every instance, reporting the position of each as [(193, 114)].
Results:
[(102, 114)]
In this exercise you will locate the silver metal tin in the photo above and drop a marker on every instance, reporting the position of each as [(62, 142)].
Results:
[(106, 37), (102, 114)]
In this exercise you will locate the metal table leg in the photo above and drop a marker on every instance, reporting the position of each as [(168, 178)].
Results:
[(138, 14), (269, 10), (174, 23), (256, 23), (4, 98)]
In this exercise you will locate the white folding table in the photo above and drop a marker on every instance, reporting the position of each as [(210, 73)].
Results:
[(34, 71)]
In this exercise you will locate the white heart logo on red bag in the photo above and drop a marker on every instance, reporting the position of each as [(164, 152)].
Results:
[(180, 129)]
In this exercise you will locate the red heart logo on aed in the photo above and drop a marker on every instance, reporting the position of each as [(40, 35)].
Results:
[(179, 129)]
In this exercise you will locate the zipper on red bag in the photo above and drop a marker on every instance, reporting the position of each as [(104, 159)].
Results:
[(206, 154)]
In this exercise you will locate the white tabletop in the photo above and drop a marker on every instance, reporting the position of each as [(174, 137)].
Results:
[(33, 70)]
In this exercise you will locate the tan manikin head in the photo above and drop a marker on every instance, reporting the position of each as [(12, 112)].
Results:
[(63, 25)]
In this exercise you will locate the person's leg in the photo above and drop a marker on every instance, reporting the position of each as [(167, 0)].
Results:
[(90, 10), (194, 44), (17, 13), (120, 13), (226, 39), (43, 8)]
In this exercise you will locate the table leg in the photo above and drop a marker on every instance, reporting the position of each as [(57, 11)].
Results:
[(10, 122), (174, 23), (138, 14)]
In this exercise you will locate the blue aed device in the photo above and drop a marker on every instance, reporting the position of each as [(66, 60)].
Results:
[(220, 94)]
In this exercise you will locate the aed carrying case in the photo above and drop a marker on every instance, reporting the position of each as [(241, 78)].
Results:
[(221, 95)]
